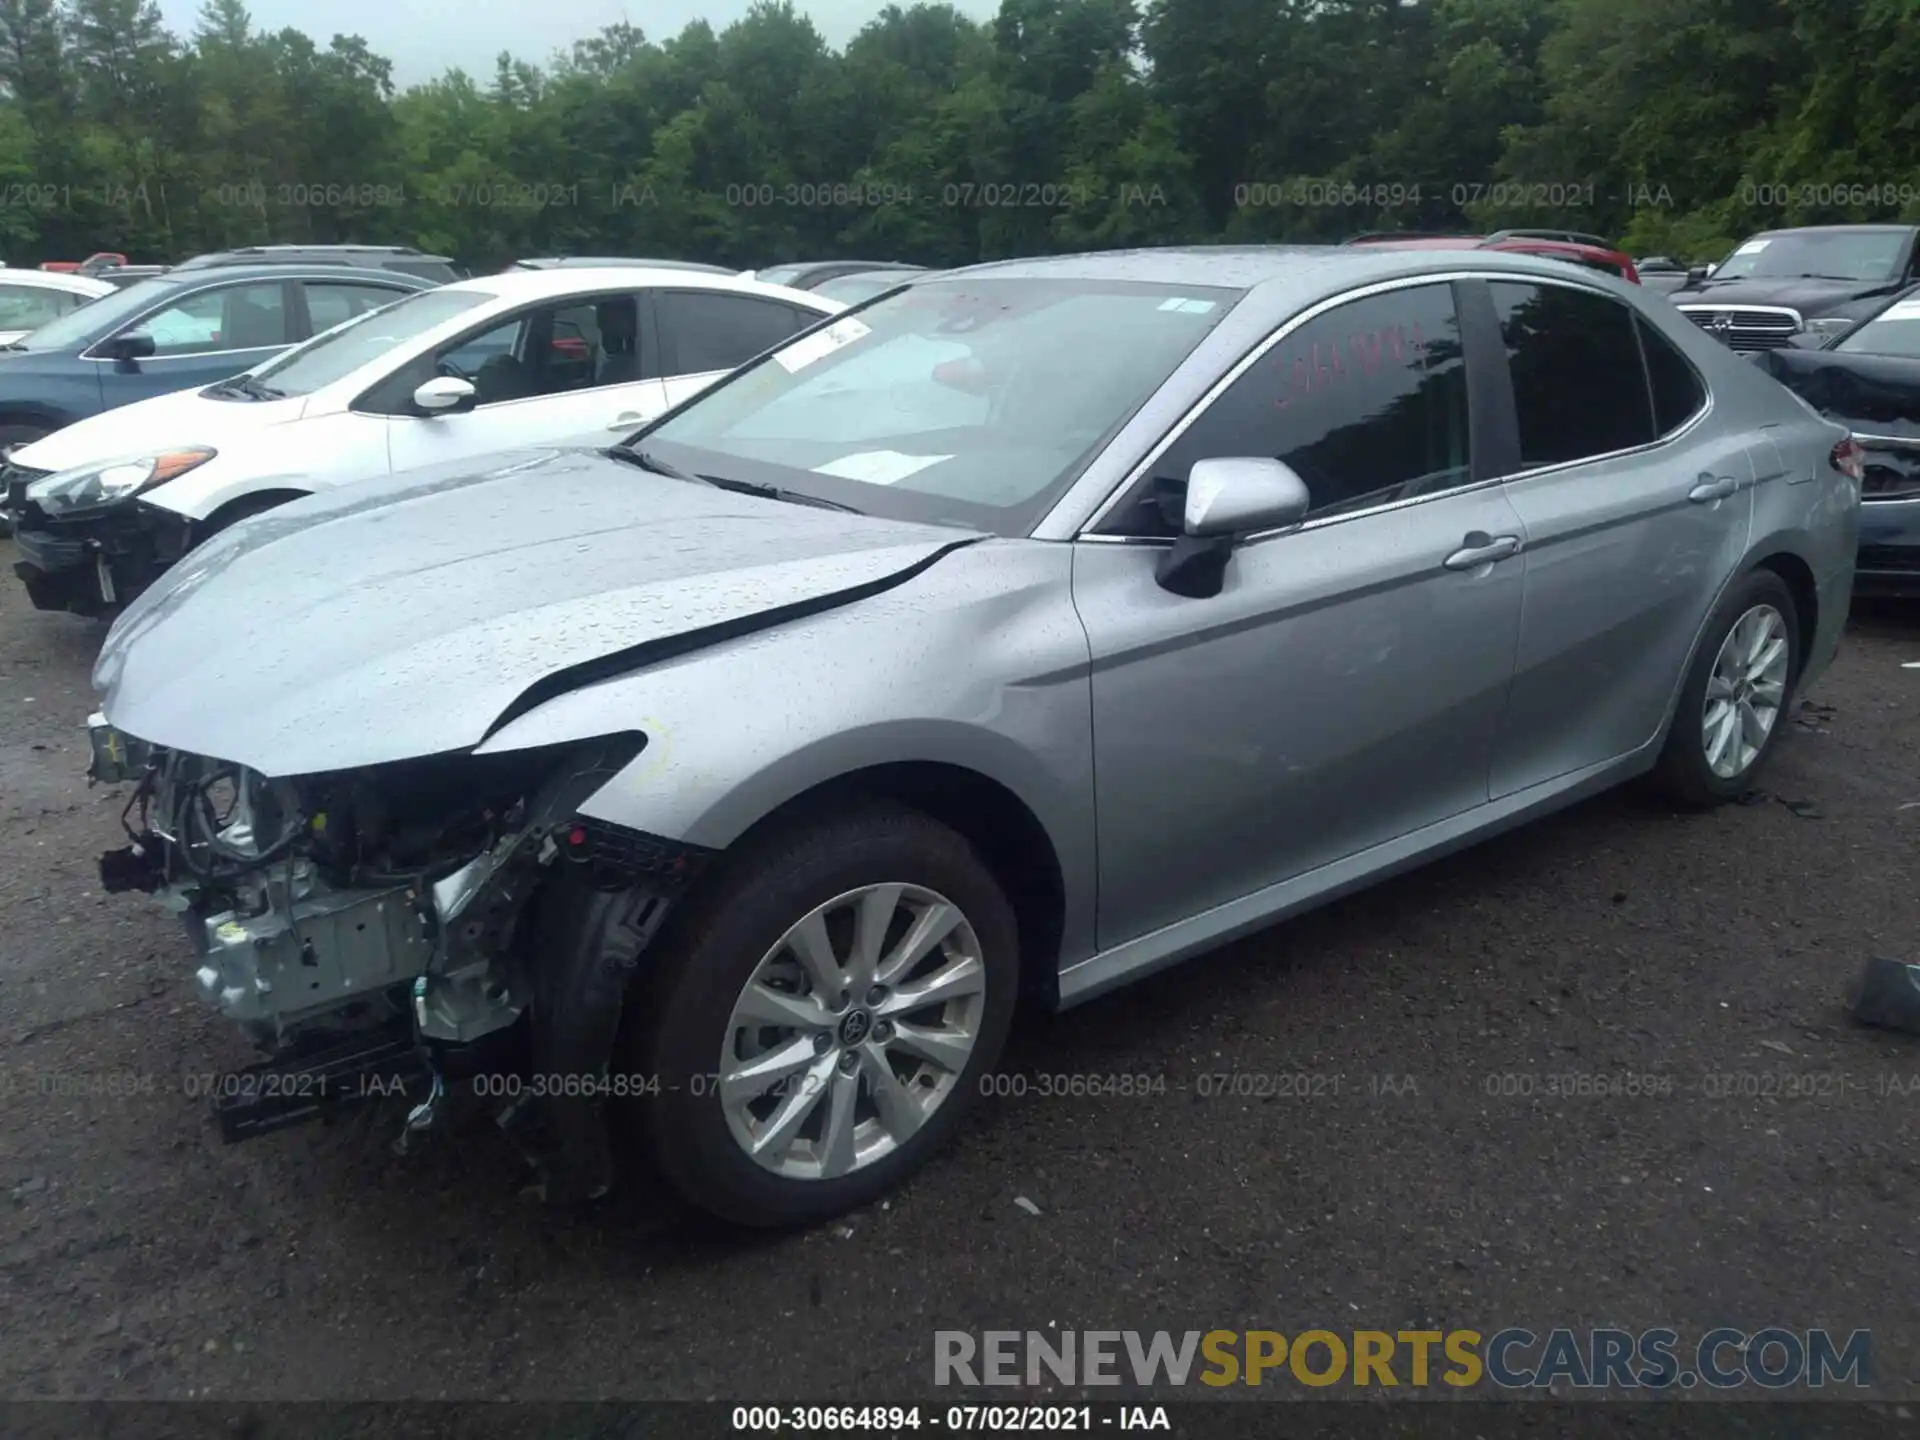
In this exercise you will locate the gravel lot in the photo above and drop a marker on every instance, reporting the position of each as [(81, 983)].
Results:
[(141, 1258)]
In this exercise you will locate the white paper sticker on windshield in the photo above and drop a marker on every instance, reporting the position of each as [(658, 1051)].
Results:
[(1902, 310), (878, 467), (822, 342), (1753, 247), (1187, 307)]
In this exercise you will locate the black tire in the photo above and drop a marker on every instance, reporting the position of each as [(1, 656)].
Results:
[(1683, 775), (23, 434), (703, 958)]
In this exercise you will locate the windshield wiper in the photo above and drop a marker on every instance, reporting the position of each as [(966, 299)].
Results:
[(775, 492), (646, 460), (248, 386), (13, 345), (1810, 275)]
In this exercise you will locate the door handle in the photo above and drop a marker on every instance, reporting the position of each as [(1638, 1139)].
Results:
[(1709, 490), (627, 420), (1479, 549)]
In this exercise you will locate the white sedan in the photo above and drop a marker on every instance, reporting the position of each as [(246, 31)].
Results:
[(528, 357), (32, 298)]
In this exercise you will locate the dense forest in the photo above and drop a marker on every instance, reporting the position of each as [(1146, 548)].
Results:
[(1674, 126)]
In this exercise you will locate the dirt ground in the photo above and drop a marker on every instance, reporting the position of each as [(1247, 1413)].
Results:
[(1428, 1179)]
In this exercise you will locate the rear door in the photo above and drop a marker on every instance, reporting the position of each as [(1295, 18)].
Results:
[(703, 334), (1637, 504)]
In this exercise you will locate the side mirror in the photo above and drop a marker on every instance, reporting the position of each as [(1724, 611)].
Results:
[(1226, 501), (1696, 274), (445, 395), (133, 345)]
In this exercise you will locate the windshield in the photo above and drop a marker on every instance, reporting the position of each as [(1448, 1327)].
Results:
[(1833, 254), (970, 401), (781, 274), (348, 346), (852, 289), (99, 317), (1894, 331)]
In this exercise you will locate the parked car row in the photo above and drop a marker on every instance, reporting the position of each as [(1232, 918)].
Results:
[(740, 772), (102, 507)]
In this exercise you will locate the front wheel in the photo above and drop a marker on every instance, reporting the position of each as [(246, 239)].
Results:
[(822, 1016), (1735, 697)]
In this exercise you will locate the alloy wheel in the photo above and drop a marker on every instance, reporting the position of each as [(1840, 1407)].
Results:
[(1745, 691), (852, 1031)]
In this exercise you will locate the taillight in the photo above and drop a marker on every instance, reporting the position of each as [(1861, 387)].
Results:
[(1850, 459)]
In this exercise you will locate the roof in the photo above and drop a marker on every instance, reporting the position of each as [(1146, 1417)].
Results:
[(269, 270), (1882, 229), (219, 257), (561, 281), (56, 280), (1291, 273)]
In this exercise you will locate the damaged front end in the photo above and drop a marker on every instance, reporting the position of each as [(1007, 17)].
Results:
[(373, 931)]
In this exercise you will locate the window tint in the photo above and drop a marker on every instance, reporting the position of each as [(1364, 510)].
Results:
[(1677, 391), (232, 317), (330, 303), (1367, 403), (714, 331), (1578, 385), (28, 307)]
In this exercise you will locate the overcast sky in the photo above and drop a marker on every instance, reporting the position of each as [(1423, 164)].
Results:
[(425, 37)]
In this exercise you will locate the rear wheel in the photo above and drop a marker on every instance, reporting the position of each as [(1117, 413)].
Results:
[(821, 1017), (1736, 696)]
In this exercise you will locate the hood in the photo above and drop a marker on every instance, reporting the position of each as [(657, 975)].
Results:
[(1812, 298), (1876, 393), (405, 616), (185, 417)]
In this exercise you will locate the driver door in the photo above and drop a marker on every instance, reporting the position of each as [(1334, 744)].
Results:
[(547, 375)]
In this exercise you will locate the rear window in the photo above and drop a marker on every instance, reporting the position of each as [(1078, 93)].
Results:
[(1579, 388)]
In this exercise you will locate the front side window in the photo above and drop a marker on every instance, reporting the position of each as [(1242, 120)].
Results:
[(360, 341), (1367, 403), (704, 331), (975, 401), (28, 307), (1579, 388), (231, 317), (581, 344)]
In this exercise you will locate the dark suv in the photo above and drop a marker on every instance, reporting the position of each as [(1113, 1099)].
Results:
[(401, 258), (186, 328), (1800, 287)]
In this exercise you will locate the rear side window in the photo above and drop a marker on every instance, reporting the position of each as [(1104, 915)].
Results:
[(1579, 388), (704, 331), (1367, 403), (1677, 391)]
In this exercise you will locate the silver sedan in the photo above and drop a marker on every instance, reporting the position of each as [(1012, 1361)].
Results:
[(715, 799)]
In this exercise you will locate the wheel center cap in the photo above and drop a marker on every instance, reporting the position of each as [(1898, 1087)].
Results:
[(855, 1028)]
